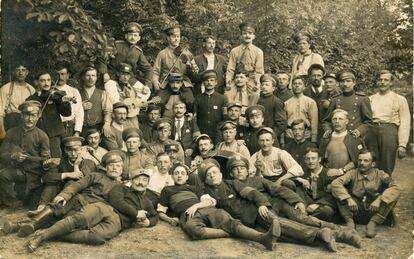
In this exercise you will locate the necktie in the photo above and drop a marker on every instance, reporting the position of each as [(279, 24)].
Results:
[(240, 96), (178, 128), (314, 186)]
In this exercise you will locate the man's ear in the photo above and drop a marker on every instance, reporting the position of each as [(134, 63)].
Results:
[(373, 164)]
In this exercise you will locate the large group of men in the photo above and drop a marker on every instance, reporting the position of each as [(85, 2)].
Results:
[(210, 143)]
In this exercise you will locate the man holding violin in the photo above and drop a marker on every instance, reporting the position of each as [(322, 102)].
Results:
[(54, 104)]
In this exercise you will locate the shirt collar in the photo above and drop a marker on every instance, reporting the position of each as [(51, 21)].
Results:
[(117, 126)]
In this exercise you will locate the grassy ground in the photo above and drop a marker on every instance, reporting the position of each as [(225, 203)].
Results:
[(166, 241)]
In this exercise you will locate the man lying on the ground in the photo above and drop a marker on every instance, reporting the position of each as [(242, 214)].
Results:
[(285, 202), (198, 216), (366, 194), (253, 208)]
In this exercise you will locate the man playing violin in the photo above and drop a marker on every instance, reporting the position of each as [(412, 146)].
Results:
[(54, 104), (173, 57)]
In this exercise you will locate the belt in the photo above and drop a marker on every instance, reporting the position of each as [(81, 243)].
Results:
[(379, 123)]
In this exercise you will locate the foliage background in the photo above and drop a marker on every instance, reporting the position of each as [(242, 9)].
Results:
[(366, 35)]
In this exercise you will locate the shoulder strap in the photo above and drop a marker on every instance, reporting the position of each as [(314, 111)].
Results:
[(8, 100)]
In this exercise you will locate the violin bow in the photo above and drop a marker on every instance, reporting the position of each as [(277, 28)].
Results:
[(173, 66), (48, 97)]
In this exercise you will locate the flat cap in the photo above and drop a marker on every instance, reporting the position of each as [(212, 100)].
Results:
[(162, 123), (268, 78), (204, 166), (303, 35), (228, 125), (29, 106), (119, 105), (202, 136), (113, 156), (264, 130), (138, 172), (247, 26), (316, 66), (347, 74), (130, 133), (171, 147), (237, 160), (208, 74), (254, 109), (72, 141), (133, 27), (330, 75), (175, 77), (234, 104), (125, 68), (92, 131)]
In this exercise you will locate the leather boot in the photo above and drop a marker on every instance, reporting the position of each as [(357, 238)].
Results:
[(213, 233), (42, 217), (56, 230), (83, 236), (10, 227), (350, 237), (267, 239), (327, 236), (371, 231)]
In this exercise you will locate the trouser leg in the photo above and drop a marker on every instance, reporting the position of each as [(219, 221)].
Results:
[(388, 136), (55, 150), (8, 177), (383, 212), (49, 192)]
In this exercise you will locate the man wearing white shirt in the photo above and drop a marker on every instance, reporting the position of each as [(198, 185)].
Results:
[(391, 123), (73, 124)]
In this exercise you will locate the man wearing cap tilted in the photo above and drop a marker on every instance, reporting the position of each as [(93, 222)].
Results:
[(253, 208), (54, 105), (131, 203), (96, 103), (285, 202), (91, 220), (273, 163), (198, 217), (163, 127), (210, 106), (136, 157), (302, 107), (255, 117), (129, 52), (174, 93), (230, 143), (306, 57), (391, 127), (12, 95), (247, 57), (275, 116), (22, 152), (239, 92), (173, 54), (357, 104), (120, 122)]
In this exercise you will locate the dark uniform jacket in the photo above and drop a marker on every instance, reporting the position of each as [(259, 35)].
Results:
[(250, 138), (275, 115), (209, 109), (127, 202), (51, 122), (54, 176), (133, 55), (148, 133), (298, 150), (220, 66), (353, 145), (186, 96), (283, 95), (34, 143), (92, 188), (323, 182), (238, 199), (358, 107)]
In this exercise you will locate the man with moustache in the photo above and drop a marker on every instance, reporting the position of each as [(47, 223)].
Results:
[(96, 103), (53, 106), (12, 95), (74, 123), (210, 60), (92, 150), (246, 57), (239, 93), (391, 123), (331, 90), (146, 124)]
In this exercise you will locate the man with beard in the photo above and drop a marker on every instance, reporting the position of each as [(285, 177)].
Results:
[(131, 203), (246, 57), (366, 194), (210, 60), (315, 90), (391, 127), (22, 152), (92, 150), (163, 128), (253, 208), (198, 216), (210, 106), (53, 106), (175, 92), (91, 220), (146, 124), (282, 90), (94, 221), (12, 95), (74, 123)]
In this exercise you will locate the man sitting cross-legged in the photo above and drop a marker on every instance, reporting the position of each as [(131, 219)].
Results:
[(198, 216)]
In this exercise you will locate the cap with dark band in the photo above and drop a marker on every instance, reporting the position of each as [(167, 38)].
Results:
[(175, 77), (125, 68), (211, 73), (228, 125), (119, 105), (237, 160), (113, 156), (303, 35), (254, 110), (171, 147), (247, 26), (234, 104), (264, 130), (162, 123), (331, 75), (316, 67), (138, 172), (72, 141), (133, 27), (130, 133), (29, 106)]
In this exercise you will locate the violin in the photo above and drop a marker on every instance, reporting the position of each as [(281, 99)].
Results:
[(184, 54)]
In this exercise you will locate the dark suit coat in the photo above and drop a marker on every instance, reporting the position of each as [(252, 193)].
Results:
[(220, 65), (187, 132)]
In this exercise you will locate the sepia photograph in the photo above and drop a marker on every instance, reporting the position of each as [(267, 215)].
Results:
[(206, 129)]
